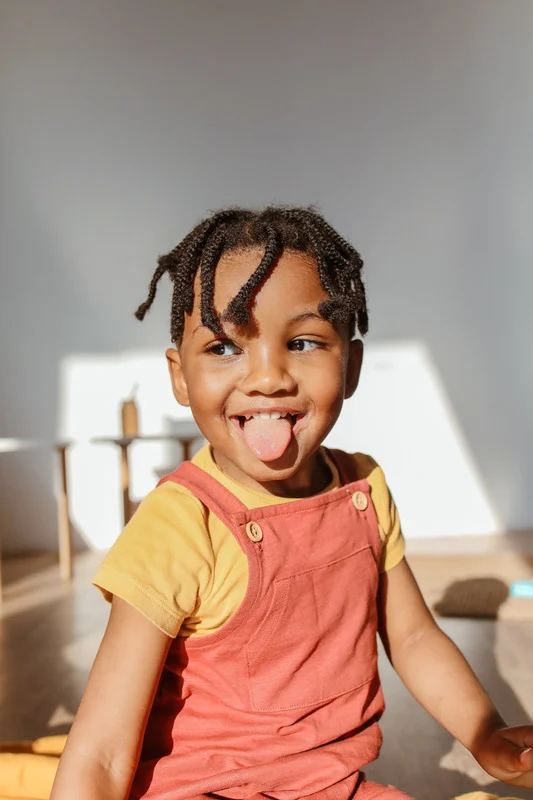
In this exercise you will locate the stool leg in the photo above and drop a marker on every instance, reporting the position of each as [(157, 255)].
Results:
[(63, 517), (186, 445), (125, 482)]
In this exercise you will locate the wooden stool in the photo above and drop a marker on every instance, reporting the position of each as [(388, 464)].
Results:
[(186, 438)]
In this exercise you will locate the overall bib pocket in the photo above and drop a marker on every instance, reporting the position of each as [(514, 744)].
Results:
[(317, 639)]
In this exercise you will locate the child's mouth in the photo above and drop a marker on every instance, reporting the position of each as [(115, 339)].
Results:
[(267, 433)]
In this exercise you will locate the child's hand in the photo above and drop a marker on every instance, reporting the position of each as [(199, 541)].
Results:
[(507, 754)]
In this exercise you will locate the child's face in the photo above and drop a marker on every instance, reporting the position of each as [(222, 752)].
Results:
[(288, 360)]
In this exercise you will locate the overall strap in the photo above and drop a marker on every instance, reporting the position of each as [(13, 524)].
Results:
[(209, 491)]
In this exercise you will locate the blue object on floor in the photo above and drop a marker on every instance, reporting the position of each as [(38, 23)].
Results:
[(522, 589)]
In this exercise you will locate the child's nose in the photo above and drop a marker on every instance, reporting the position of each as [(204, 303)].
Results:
[(268, 374)]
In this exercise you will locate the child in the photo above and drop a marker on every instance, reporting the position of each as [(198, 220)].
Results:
[(240, 657)]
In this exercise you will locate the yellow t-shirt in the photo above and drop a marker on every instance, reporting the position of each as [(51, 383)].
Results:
[(181, 567)]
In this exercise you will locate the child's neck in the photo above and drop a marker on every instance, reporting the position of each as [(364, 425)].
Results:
[(303, 484)]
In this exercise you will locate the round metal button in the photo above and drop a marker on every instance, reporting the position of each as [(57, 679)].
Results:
[(360, 501), (254, 532)]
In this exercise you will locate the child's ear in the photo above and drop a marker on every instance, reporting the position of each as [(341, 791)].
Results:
[(353, 368), (175, 368)]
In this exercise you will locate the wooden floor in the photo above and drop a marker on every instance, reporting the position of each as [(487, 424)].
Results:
[(49, 633)]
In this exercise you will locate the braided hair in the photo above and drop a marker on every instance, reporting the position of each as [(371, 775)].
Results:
[(274, 229)]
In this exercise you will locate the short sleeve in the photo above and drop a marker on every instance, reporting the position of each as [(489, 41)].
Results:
[(162, 562), (390, 529)]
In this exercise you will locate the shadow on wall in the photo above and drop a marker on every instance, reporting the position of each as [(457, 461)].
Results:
[(31, 392), (56, 314), (494, 400)]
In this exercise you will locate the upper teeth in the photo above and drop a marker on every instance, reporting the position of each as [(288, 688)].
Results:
[(266, 415)]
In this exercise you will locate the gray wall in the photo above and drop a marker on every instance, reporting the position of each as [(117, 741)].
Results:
[(410, 122)]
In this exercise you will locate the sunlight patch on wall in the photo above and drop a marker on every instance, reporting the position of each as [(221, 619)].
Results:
[(91, 392), (401, 416)]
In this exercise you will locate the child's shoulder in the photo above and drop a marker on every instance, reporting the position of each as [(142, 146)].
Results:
[(170, 490), (361, 465), (170, 500), (364, 467)]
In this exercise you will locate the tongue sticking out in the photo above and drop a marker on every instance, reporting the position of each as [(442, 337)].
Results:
[(267, 438)]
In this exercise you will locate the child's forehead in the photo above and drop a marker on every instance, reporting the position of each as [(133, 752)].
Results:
[(235, 267), (291, 288)]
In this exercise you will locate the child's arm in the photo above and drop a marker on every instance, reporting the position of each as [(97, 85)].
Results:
[(439, 677), (103, 747)]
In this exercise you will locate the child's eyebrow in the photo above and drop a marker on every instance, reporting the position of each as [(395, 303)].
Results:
[(305, 315), (199, 328)]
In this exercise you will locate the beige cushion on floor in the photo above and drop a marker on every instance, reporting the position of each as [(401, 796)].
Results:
[(482, 796), (27, 775)]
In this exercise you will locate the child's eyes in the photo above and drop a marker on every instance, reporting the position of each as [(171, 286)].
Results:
[(225, 348), (229, 348), (303, 345)]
